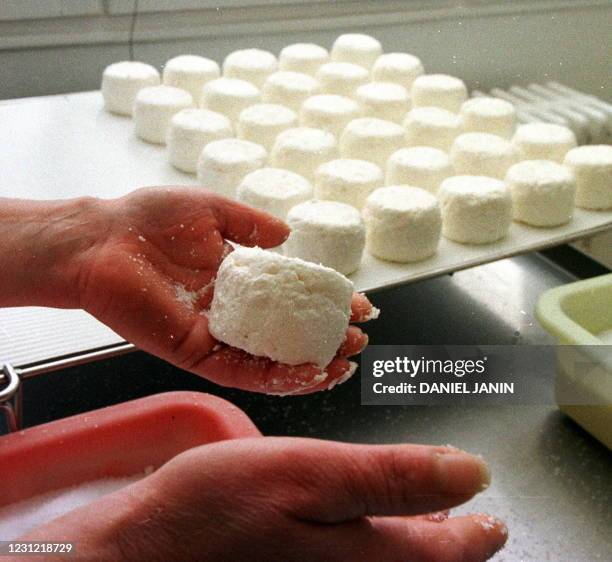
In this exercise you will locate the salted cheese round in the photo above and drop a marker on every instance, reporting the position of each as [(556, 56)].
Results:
[(286, 309), (303, 57), (302, 150), (121, 81), (341, 78), (592, 167), (372, 139), (274, 190), (543, 141), (190, 72), (385, 100), (326, 232), (475, 209), (347, 181), (190, 131), (431, 126), (356, 48), (401, 68), (482, 154), (224, 163), (420, 166), (403, 223), (439, 90), (542, 192), (262, 123), (289, 88), (229, 96), (252, 65), (488, 115), (329, 112), (154, 108)]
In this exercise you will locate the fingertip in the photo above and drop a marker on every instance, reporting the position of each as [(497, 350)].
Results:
[(459, 473), (273, 233), (480, 534), (354, 342), (468, 537), (362, 309), (337, 372), (248, 226)]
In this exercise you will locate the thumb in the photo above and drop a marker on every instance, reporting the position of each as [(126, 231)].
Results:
[(248, 226), (345, 482)]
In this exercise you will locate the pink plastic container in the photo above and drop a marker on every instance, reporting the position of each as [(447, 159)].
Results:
[(117, 441)]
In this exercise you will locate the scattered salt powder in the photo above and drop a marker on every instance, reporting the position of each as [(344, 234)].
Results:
[(374, 314), (488, 523), (20, 518), (184, 296), (191, 297), (346, 376)]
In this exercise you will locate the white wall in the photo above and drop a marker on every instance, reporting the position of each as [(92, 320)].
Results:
[(488, 43)]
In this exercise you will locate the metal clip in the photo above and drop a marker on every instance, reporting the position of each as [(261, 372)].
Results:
[(11, 397)]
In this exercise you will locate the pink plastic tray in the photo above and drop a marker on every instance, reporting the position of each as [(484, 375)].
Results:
[(120, 440)]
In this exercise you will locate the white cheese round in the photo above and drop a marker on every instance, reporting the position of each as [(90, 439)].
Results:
[(190, 131), (347, 181), (274, 190), (592, 167), (542, 192), (302, 150), (224, 163), (326, 232), (420, 166), (372, 139), (475, 209), (190, 72), (154, 108), (439, 90), (402, 224), (121, 81), (287, 309)]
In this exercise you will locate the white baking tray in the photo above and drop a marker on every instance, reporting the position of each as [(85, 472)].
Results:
[(56, 147)]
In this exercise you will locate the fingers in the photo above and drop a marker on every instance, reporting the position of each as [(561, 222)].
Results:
[(354, 342), (338, 372), (235, 368), (362, 309), (247, 226), (473, 537), (361, 480)]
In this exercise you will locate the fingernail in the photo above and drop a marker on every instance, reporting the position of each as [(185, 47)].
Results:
[(485, 473), (365, 341), (462, 473), (489, 523)]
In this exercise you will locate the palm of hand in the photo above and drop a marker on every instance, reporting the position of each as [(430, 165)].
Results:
[(150, 275)]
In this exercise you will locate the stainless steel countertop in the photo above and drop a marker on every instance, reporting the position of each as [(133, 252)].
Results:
[(552, 482)]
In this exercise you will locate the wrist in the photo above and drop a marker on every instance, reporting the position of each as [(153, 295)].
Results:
[(43, 243)]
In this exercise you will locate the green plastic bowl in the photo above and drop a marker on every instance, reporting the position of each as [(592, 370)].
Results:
[(575, 315)]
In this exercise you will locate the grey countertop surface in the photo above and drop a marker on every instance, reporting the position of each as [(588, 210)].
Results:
[(552, 482)]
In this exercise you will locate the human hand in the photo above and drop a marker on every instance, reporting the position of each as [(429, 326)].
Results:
[(285, 499), (149, 272)]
